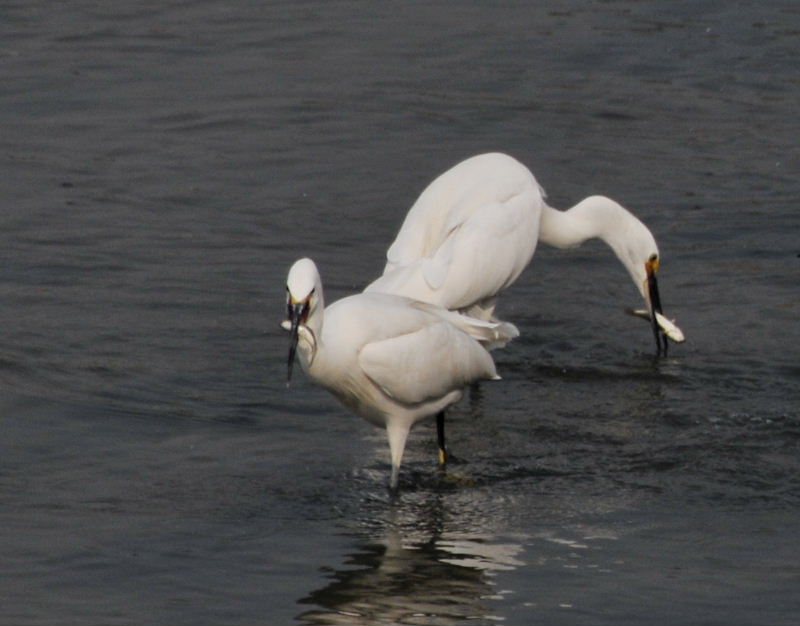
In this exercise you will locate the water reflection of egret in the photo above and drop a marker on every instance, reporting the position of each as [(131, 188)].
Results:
[(423, 568), (391, 582)]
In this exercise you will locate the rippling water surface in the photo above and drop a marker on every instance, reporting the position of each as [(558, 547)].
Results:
[(164, 163)]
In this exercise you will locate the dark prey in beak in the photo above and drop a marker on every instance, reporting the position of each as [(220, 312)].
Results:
[(298, 312)]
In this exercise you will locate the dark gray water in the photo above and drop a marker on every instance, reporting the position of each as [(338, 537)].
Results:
[(164, 163)]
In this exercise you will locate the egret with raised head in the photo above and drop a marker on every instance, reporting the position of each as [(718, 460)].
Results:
[(389, 359)]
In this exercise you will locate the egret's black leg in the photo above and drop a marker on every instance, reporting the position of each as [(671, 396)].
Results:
[(440, 438)]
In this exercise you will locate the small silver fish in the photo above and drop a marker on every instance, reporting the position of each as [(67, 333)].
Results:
[(667, 325), (669, 328)]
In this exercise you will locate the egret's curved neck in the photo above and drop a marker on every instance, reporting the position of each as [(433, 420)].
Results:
[(601, 217), (592, 217)]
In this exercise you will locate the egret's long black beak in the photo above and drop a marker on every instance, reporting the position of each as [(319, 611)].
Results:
[(655, 307), (298, 313)]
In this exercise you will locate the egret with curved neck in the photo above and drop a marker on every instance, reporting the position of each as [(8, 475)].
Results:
[(475, 228)]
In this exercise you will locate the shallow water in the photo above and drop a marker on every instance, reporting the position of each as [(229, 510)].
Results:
[(165, 163)]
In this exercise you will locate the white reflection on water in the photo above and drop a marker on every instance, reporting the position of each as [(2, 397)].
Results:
[(441, 581), (416, 571)]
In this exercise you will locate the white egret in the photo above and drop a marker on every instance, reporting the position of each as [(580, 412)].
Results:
[(389, 359), (475, 228)]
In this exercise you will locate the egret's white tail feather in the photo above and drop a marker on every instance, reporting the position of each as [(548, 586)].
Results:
[(490, 334)]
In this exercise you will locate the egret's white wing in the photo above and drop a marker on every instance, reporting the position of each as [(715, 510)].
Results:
[(425, 364), (421, 229), (480, 256), (491, 213), (449, 201), (435, 269)]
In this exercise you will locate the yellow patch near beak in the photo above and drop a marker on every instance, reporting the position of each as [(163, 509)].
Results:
[(651, 266)]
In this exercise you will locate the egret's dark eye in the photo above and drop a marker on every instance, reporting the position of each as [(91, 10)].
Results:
[(653, 258)]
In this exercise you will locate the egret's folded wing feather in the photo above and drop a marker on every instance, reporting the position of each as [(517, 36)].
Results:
[(478, 258), (436, 268), (488, 252), (426, 364)]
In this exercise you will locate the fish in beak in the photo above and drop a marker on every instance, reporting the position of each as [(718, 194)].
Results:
[(663, 328), (297, 312)]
